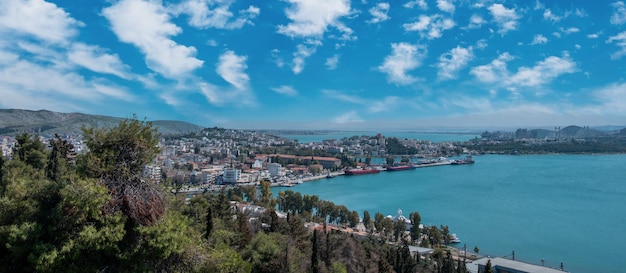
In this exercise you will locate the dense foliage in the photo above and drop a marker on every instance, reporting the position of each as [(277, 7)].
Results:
[(95, 213), (565, 146)]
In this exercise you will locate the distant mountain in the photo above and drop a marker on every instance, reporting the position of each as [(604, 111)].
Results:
[(13, 121)]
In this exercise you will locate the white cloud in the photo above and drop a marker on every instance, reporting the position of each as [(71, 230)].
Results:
[(445, 6), (302, 52), (348, 117), (505, 18), (420, 3), (214, 14), (404, 57), (311, 18), (146, 25), (278, 60), (494, 71), (541, 73), (570, 30), (388, 103), (343, 97), (332, 62), (231, 68), (51, 86), (212, 42), (451, 62), (379, 13), (481, 44), (549, 16), (38, 18), (612, 98), (620, 40), (593, 35), (430, 27), (219, 96), (539, 40), (619, 15), (96, 59), (285, 90), (373, 105), (476, 21)]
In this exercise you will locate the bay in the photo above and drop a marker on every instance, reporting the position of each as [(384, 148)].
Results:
[(560, 208)]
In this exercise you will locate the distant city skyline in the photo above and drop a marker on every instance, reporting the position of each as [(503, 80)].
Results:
[(320, 64)]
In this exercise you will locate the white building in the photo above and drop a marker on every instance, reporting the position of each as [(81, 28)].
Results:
[(231, 176), (274, 169), (153, 173)]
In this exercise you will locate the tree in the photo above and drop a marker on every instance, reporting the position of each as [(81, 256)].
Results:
[(117, 156), (267, 199), (390, 160), (338, 267), (60, 159), (488, 268), (398, 229), (387, 225), (476, 249), (378, 221), (367, 220), (445, 232), (30, 150), (1, 173), (368, 160), (243, 229), (384, 266), (315, 267), (415, 225), (264, 253), (209, 223), (250, 192)]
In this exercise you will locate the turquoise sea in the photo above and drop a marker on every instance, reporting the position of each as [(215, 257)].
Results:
[(434, 137), (560, 208)]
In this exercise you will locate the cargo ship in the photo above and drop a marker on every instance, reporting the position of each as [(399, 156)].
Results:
[(402, 167), (360, 171)]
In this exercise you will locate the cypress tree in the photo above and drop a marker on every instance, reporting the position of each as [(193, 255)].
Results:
[(209, 222), (315, 267), (488, 268)]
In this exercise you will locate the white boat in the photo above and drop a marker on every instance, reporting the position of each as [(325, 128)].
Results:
[(454, 239)]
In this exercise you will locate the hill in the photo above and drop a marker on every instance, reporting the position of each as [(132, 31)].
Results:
[(13, 121)]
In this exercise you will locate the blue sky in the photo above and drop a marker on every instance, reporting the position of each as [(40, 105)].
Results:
[(320, 64)]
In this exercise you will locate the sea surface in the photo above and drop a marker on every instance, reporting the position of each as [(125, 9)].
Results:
[(434, 137), (559, 208)]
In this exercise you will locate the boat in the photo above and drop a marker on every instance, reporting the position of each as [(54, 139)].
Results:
[(467, 160), (360, 171), (454, 239), (402, 167)]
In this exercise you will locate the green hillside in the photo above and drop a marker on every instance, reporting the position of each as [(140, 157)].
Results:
[(13, 121)]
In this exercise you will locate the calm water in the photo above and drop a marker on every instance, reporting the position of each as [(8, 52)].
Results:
[(569, 208), (434, 137)]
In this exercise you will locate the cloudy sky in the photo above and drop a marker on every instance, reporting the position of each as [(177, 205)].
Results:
[(320, 64)]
